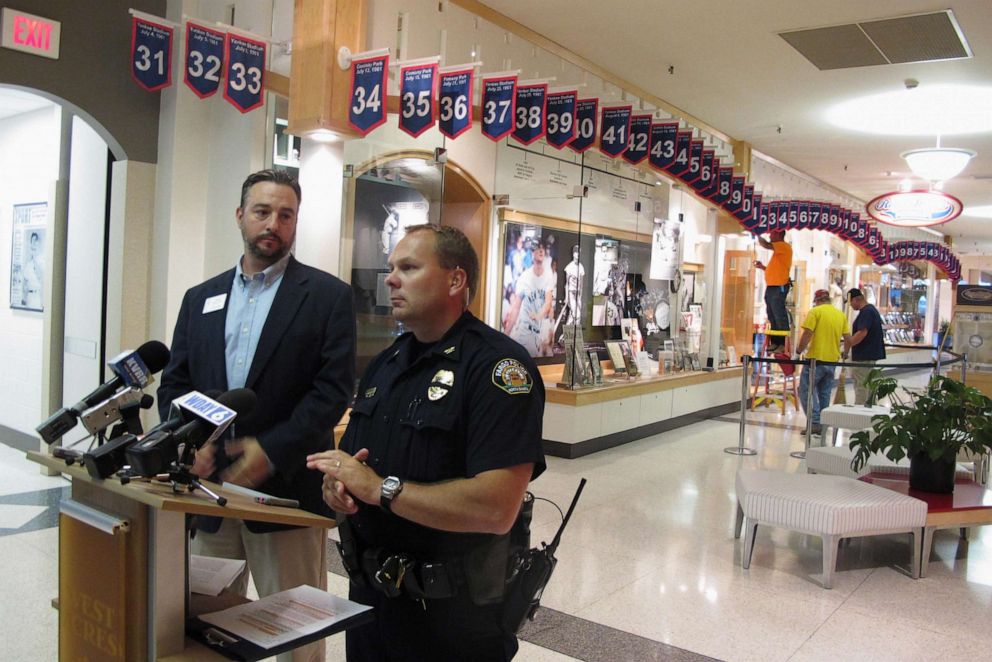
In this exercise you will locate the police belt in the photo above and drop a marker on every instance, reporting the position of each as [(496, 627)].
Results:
[(395, 574)]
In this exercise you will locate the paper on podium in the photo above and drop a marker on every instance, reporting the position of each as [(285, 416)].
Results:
[(285, 616), (210, 575)]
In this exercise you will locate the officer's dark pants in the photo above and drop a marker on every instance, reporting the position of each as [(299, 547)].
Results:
[(450, 630), (778, 316)]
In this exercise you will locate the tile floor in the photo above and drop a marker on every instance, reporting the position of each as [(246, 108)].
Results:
[(648, 570)]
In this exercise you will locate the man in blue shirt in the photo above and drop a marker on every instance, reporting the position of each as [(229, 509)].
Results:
[(866, 344)]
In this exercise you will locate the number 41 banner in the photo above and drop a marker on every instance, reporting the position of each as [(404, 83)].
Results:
[(151, 54), (245, 87)]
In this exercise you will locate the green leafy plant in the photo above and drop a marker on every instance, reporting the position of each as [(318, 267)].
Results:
[(944, 326), (941, 421)]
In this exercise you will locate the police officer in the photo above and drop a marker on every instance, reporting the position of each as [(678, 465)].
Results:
[(444, 436)]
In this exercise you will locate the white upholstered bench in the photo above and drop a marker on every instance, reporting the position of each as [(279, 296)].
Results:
[(831, 507)]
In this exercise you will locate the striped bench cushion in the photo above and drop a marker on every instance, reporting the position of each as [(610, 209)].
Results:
[(827, 505)]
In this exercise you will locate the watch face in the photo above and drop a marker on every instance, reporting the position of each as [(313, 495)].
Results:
[(391, 486)]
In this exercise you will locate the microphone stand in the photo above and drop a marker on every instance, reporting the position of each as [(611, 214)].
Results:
[(180, 475)]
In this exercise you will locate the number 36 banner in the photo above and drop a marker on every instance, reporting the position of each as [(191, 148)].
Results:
[(204, 59), (245, 87), (151, 54), (455, 100)]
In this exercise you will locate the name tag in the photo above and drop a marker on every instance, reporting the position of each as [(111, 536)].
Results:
[(214, 303)]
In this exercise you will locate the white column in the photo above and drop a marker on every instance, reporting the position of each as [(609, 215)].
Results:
[(318, 232)]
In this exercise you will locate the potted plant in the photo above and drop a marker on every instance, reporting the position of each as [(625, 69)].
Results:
[(931, 430)]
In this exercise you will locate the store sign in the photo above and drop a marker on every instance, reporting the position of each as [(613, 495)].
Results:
[(974, 295), (915, 208), (30, 34)]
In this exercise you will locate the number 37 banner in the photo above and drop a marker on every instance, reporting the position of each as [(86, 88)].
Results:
[(245, 87)]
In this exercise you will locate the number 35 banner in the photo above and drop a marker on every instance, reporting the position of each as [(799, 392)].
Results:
[(245, 87), (417, 98), (204, 59), (498, 96), (151, 54), (455, 100), (368, 93)]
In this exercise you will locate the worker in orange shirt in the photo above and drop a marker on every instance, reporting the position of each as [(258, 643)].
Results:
[(777, 285)]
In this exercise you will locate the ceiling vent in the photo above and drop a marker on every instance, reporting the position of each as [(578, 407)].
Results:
[(919, 38)]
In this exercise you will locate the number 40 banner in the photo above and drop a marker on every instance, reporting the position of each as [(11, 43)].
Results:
[(245, 87), (151, 54)]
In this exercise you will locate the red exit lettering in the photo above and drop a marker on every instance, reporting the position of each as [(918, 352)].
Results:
[(32, 33)]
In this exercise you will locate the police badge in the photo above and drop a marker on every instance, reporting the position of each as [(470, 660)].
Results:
[(440, 385), (511, 376)]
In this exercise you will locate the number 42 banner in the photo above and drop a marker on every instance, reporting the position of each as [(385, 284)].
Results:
[(245, 87)]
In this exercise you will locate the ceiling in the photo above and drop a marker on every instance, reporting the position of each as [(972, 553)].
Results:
[(733, 71), (14, 102)]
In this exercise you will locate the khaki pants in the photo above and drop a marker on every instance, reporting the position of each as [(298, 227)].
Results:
[(859, 375), (278, 561)]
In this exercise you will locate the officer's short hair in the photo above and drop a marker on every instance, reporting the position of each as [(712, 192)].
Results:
[(281, 177), (454, 251)]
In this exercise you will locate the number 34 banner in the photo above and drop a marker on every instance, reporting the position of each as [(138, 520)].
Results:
[(368, 93), (151, 54), (245, 87)]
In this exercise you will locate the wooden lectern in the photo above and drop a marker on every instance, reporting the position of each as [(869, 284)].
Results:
[(123, 563)]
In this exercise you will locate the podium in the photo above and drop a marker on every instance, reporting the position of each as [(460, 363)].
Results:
[(123, 590)]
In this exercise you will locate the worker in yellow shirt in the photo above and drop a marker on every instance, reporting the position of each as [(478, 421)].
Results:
[(823, 330), (776, 284)]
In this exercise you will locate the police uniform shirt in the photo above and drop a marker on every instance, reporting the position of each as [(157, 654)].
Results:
[(472, 402)]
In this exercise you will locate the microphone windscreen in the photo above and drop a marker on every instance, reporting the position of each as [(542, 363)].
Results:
[(155, 355), (241, 400)]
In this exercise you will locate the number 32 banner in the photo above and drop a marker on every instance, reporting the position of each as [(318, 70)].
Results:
[(417, 98), (455, 101), (204, 59), (245, 87), (368, 93), (151, 54)]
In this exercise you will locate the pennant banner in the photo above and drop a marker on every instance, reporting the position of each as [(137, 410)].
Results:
[(722, 190), (680, 164), (586, 111), (663, 145), (368, 93), (245, 87), (614, 130), (640, 139), (561, 118), (529, 111), (455, 101), (705, 178), (204, 59), (151, 54), (417, 98), (695, 161), (498, 96)]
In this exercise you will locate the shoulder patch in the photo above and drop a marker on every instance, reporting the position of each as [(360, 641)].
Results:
[(511, 376)]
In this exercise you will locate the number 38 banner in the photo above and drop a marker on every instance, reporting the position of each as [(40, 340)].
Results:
[(368, 93), (151, 54), (204, 59), (245, 87), (455, 101), (417, 98), (530, 109)]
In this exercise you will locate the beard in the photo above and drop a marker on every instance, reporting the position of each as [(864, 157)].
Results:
[(271, 255)]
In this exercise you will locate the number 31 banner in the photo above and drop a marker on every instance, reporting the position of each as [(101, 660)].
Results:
[(204, 59), (245, 87), (151, 54), (368, 93)]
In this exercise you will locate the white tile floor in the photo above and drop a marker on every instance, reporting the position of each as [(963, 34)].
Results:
[(650, 552)]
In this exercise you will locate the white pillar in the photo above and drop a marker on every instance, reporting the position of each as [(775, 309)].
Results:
[(318, 231)]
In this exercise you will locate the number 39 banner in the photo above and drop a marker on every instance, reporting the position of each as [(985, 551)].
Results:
[(245, 87), (368, 93), (204, 59), (455, 101), (498, 112), (417, 98), (151, 54), (561, 118)]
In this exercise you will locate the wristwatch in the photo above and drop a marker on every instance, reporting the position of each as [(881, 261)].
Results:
[(391, 487)]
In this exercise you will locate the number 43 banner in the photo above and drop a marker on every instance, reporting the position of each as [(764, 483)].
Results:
[(204, 59), (151, 54), (245, 87)]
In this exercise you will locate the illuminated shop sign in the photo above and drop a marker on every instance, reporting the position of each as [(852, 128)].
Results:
[(915, 208), (30, 34)]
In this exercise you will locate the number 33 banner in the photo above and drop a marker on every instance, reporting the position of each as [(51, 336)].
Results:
[(417, 98), (245, 87), (204, 59), (368, 93), (151, 54)]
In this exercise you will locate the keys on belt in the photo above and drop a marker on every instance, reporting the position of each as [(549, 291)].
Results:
[(390, 574)]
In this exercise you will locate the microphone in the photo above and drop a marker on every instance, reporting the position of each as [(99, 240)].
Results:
[(132, 369), (196, 420), (102, 416)]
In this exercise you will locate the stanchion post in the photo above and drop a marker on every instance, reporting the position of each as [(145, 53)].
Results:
[(964, 369), (811, 366), (739, 449)]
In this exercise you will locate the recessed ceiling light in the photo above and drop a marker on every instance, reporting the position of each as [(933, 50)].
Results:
[(928, 110)]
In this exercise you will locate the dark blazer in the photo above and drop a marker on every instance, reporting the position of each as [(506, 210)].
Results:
[(302, 374)]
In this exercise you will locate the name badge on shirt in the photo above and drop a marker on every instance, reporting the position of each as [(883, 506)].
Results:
[(214, 303)]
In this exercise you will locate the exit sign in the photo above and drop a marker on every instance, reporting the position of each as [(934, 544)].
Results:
[(30, 33)]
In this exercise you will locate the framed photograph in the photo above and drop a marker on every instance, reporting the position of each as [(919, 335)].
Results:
[(694, 361), (613, 348), (628, 358), (27, 256), (596, 366)]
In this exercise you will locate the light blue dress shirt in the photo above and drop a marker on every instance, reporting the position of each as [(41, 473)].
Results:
[(251, 300)]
